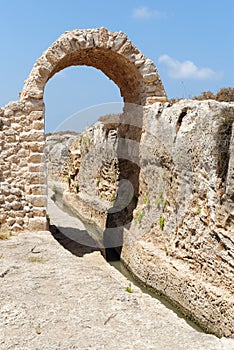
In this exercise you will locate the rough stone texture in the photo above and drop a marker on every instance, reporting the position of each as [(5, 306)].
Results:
[(181, 239), (55, 300), (22, 173), (111, 52), (22, 122), (57, 151), (84, 169), (93, 168)]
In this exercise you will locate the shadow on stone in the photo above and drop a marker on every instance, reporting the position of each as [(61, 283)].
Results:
[(120, 215), (76, 248)]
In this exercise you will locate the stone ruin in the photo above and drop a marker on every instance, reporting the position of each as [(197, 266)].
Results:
[(23, 189)]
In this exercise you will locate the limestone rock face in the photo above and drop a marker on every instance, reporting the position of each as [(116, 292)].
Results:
[(57, 153), (87, 169), (181, 240)]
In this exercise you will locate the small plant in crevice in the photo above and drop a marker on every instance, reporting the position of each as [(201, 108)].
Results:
[(86, 142), (160, 201), (198, 210), (113, 198), (129, 288), (5, 235), (166, 251), (139, 217), (77, 187), (146, 199), (58, 141), (69, 180), (54, 189), (164, 203), (161, 222)]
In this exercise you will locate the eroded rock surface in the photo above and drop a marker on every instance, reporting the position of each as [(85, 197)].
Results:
[(180, 240), (53, 300), (57, 150)]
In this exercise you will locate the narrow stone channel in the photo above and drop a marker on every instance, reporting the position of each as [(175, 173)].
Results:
[(93, 235)]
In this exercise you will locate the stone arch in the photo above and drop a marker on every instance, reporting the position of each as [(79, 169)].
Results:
[(22, 175), (111, 52)]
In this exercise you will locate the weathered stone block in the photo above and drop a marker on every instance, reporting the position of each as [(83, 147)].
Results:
[(37, 224), (36, 158), (16, 205), (17, 228), (37, 200), (36, 116), (32, 135), (35, 178), (36, 189)]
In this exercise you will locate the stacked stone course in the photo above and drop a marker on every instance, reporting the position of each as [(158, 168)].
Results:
[(22, 177)]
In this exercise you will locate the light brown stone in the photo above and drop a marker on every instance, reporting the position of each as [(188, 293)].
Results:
[(37, 224), (37, 200)]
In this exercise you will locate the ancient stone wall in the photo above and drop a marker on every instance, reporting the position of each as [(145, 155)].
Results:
[(181, 238), (22, 181), (22, 172)]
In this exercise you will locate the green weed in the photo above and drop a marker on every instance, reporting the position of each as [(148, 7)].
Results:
[(54, 189), (161, 222), (139, 217), (129, 288), (58, 141), (146, 199), (5, 235)]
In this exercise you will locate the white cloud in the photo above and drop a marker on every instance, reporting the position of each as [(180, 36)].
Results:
[(186, 69), (145, 13)]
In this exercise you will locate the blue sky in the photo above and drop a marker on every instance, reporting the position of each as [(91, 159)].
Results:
[(191, 43)]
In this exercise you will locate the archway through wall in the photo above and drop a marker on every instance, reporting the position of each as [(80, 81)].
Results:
[(66, 151), (23, 173), (77, 96), (111, 52)]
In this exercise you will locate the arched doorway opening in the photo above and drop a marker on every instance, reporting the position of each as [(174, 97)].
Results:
[(73, 93), (113, 54), (69, 154)]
